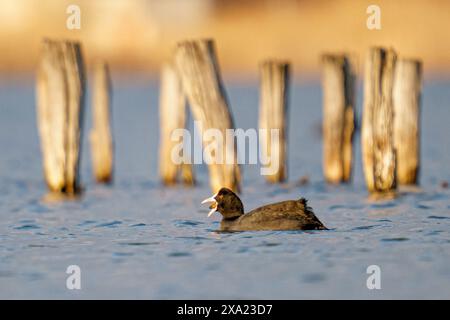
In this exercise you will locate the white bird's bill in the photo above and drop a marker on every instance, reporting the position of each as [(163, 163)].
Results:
[(210, 199), (212, 211), (213, 206)]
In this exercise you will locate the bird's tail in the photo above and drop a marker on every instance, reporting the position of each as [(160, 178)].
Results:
[(320, 225), (304, 202)]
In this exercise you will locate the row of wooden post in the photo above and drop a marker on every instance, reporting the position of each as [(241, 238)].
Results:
[(390, 144), (60, 91), (390, 122), (194, 77)]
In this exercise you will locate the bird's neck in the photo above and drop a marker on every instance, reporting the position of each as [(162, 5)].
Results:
[(232, 217), (227, 224)]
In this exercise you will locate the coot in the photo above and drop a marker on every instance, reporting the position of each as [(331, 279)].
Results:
[(285, 215)]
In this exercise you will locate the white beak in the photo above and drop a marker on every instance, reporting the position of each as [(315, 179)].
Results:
[(213, 206)]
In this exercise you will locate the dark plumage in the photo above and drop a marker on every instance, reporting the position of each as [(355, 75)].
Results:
[(285, 215)]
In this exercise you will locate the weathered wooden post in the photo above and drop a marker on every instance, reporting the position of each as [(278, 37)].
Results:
[(273, 116), (198, 68), (379, 156), (338, 117), (60, 87), (172, 114), (102, 147), (407, 100)]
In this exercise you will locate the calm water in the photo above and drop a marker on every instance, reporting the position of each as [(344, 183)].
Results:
[(137, 239)]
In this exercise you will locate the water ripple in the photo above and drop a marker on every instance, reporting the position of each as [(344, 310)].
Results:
[(399, 239), (27, 227), (112, 224), (438, 217), (179, 254)]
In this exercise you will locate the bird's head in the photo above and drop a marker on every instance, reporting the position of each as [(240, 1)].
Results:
[(227, 203)]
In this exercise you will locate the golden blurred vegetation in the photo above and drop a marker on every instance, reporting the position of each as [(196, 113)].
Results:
[(137, 35)]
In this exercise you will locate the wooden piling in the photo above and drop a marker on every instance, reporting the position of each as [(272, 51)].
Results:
[(172, 114), (102, 147), (274, 84), (60, 104), (338, 117), (197, 65), (379, 156), (407, 100)]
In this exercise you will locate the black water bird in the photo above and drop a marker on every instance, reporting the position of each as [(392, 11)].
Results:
[(285, 215)]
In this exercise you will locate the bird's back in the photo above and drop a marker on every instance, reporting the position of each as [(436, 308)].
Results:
[(285, 215)]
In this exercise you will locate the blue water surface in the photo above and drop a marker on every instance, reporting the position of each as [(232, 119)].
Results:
[(137, 239)]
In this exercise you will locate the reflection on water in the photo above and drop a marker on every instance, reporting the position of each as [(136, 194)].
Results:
[(136, 239)]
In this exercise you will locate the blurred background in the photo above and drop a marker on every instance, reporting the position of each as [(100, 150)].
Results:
[(137, 35)]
